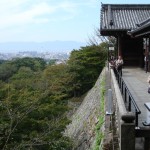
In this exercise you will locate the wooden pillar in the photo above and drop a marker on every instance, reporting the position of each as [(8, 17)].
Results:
[(119, 46), (147, 53), (116, 50), (148, 49)]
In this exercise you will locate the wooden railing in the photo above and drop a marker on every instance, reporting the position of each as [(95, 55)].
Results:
[(129, 101), (124, 118), (127, 116)]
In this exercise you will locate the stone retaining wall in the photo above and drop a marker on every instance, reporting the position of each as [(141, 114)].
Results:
[(81, 130)]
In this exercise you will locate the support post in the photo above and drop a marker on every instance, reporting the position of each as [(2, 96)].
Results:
[(128, 132), (147, 143), (129, 107), (109, 102)]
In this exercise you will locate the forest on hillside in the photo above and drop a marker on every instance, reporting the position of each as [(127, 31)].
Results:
[(34, 97)]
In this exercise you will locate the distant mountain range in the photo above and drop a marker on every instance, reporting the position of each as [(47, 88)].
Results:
[(52, 46)]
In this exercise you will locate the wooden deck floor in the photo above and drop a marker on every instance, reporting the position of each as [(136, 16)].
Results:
[(136, 80)]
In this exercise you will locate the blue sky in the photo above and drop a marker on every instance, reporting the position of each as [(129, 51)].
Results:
[(51, 20)]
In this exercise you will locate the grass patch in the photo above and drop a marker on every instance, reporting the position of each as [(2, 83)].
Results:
[(99, 133)]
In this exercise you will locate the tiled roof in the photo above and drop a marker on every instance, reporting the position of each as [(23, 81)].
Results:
[(143, 29), (122, 17), (145, 22)]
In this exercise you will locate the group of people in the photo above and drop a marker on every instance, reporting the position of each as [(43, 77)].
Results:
[(116, 64)]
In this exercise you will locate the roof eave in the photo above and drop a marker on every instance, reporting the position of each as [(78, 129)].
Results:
[(140, 31), (112, 32)]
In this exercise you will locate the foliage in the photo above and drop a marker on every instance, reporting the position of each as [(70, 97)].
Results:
[(52, 61), (33, 107), (34, 64), (85, 66), (7, 70), (58, 78), (2, 61), (34, 98)]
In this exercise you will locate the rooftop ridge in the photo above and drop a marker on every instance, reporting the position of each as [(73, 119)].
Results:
[(121, 6)]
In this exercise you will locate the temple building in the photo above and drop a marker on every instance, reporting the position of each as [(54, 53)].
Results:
[(130, 25)]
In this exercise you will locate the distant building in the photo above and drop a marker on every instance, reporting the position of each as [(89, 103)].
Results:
[(45, 55), (60, 62)]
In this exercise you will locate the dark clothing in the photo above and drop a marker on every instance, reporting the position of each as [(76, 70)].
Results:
[(119, 69)]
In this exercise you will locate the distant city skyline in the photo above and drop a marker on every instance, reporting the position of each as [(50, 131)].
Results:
[(52, 46), (45, 55)]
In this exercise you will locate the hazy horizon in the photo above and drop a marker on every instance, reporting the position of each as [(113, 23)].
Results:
[(49, 20), (51, 46)]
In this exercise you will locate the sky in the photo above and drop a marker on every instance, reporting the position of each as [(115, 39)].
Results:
[(51, 20)]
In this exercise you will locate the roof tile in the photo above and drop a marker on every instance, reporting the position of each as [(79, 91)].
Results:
[(124, 17)]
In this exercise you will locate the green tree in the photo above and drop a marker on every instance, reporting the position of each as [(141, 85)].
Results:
[(33, 109), (58, 79), (7, 70), (34, 64), (85, 66), (34, 97)]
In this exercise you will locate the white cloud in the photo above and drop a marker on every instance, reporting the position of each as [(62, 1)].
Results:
[(23, 12), (14, 12), (9, 6), (18, 18), (10, 17)]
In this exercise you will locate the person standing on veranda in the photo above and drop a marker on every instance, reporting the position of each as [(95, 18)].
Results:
[(146, 63), (119, 64)]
